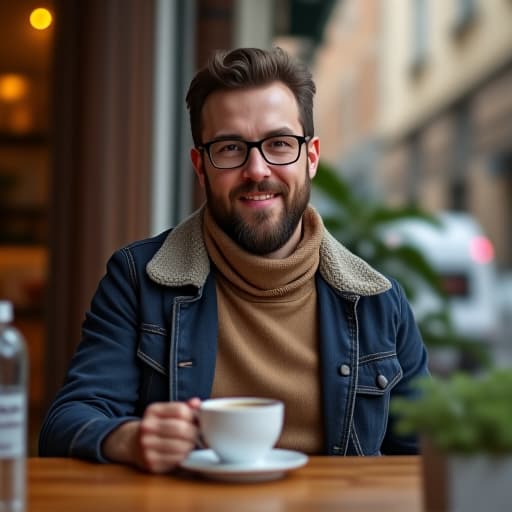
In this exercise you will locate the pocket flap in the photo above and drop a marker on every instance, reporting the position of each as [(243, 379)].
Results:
[(379, 376), (153, 348)]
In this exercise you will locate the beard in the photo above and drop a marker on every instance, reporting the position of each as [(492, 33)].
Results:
[(262, 236)]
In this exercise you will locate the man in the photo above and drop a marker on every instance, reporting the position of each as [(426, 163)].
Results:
[(250, 296)]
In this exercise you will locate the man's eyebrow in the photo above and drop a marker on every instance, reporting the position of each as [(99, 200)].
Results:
[(285, 130), (228, 136)]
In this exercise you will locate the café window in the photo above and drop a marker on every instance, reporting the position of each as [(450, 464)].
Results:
[(25, 162)]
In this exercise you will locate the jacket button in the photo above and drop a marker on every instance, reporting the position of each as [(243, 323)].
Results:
[(345, 370), (382, 382)]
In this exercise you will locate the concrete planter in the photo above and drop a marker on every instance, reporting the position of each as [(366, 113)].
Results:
[(472, 483)]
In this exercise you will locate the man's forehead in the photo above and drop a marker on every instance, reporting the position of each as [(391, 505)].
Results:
[(273, 107)]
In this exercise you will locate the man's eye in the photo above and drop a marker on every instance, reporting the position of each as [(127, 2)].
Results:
[(279, 143), (229, 147)]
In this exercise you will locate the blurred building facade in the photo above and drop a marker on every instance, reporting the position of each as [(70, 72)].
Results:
[(426, 116), (346, 71), (446, 109)]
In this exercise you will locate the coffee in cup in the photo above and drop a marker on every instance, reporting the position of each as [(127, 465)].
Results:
[(241, 430)]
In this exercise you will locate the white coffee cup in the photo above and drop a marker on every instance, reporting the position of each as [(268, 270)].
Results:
[(241, 430)]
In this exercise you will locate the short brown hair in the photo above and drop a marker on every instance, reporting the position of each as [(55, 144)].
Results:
[(250, 67)]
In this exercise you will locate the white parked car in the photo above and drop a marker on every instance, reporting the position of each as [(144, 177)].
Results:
[(464, 259)]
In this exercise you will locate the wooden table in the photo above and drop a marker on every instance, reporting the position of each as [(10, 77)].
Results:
[(325, 484)]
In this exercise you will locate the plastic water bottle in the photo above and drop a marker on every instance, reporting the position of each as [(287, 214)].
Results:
[(13, 413)]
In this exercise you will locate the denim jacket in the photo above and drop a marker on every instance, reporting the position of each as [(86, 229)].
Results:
[(151, 335)]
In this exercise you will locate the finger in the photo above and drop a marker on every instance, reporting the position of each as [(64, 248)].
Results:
[(169, 428), (194, 403), (171, 410), (166, 446)]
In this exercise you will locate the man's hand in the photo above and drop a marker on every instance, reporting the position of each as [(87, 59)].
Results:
[(164, 436)]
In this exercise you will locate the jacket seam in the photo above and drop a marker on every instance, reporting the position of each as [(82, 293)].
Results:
[(149, 360), (386, 421), (351, 401), (357, 443), (153, 328), (377, 356), (400, 300), (78, 434), (131, 266), (173, 375)]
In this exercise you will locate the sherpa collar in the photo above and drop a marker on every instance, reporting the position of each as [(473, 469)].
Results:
[(183, 260)]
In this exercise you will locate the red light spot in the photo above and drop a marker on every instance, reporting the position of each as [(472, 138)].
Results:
[(481, 249)]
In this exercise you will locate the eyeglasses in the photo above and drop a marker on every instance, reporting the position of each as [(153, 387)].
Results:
[(276, 150)]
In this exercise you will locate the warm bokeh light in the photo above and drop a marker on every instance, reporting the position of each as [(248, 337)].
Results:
[(13, 87), (40, 18)]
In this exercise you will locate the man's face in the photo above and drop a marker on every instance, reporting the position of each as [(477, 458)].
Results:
[(259, 205)]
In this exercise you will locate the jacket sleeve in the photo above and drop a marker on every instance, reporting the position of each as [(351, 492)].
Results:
[(101, 387), (412, 356)]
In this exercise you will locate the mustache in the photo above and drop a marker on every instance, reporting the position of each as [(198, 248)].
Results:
[(261, 187)]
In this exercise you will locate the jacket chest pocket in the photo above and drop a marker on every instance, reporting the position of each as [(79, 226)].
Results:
[(153, 357), (378, 375)]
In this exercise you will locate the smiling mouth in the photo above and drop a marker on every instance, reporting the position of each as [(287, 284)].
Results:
[(258, 197)]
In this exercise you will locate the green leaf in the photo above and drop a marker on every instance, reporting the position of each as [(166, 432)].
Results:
[(334, 187)]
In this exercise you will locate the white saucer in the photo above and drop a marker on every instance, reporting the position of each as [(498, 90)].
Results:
[(272, 467)]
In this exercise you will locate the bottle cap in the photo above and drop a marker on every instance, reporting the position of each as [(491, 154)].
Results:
[(6, 313)]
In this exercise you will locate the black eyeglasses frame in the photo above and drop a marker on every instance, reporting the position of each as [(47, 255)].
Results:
[(301, 139)]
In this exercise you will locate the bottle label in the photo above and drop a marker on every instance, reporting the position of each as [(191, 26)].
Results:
[(12, 425)]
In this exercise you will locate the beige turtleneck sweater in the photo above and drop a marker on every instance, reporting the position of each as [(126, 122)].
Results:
[(268, 329)]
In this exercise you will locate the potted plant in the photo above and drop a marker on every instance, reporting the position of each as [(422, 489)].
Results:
[(465, 422)]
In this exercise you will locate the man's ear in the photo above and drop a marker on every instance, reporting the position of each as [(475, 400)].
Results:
[(313, 149), (196, 158)]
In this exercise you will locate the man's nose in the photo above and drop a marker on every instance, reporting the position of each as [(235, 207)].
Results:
[(256, 168)]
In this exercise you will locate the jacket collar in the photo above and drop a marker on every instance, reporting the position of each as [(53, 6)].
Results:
[(183, 260)]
